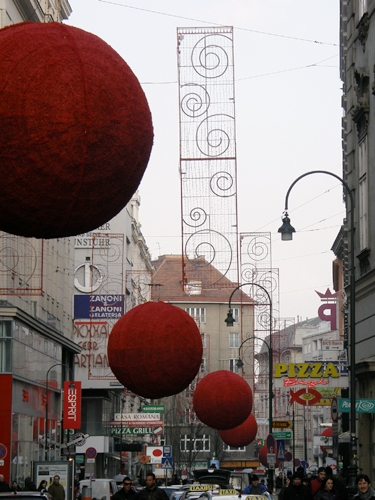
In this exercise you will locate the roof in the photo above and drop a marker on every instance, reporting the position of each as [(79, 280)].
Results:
[(167, 282)]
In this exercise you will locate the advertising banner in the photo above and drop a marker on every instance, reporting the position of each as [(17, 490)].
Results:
[(98, 306), (72, 405)]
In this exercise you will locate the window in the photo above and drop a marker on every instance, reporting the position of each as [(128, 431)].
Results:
[(200, 442), (203, 336), (234, 340), (363, 194), (198, 313), (236, 314), (203, 365), (362, 8), (226, 447), (319, 344), (315, 345), (233, 365)]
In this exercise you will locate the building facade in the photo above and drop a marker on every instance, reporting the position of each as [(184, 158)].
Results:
[(357, 56)]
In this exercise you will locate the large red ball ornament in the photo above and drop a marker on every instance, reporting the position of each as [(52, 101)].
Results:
[(155, 350), (222, 400), (76, 131), (242, 435)]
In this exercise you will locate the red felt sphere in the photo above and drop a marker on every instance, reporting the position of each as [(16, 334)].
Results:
[(327, 432), (223, 400), (76, 131), (155, 350), (241, 435)]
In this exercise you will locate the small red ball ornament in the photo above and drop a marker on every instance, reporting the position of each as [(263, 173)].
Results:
[(76, 131), (155, 350), (222, 400), (242, 435)]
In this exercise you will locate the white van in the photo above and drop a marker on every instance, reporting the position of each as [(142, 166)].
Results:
[(102, 489)]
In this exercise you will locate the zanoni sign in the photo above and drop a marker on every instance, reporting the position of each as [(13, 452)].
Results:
[(312, 374)]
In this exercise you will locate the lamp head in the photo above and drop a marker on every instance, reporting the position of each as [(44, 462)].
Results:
[(229, 320), (286, 229), (239, 363)]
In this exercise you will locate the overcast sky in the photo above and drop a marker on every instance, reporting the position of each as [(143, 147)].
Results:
[(288, 121)]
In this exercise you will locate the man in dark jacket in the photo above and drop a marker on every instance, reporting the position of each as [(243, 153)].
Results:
[(126, 492), (152, 492), (296, 490)]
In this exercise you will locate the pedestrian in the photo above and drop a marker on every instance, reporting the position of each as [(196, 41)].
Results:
[(317, 482), (4, 486), (255, 488), (151, 491), (296, 490), (15, 486), (284, 487), (42, 485), (338, 485), (327, 491), (279, 481), (126, 491), (365, 492), (56, 490), (29, 484)]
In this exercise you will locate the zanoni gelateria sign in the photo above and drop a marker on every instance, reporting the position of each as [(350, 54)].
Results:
[(312, 374)]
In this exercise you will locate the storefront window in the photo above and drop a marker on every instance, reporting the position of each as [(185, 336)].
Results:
[(5, 347)]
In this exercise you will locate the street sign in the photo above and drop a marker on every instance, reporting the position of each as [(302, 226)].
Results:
[(131, 430), (91, 452), (334, 410), (153, 409), (288, 456), (167, 463), (167, 451), (283, 435), (281, 424), (280, 449), (271, 460), (361, 405), (271, 443)]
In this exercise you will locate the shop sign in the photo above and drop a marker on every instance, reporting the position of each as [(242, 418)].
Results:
[(312, 374), (72, 405), (118, 431), (361, 405)]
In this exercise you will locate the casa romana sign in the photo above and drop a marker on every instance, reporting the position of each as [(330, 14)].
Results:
[(312, 374)]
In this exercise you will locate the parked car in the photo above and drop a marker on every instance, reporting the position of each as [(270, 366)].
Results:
[(171, 489), (102, 489), (25, 495)]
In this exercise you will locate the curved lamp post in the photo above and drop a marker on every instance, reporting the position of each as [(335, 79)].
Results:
[(287, 231), (46, 422), (230, 321)]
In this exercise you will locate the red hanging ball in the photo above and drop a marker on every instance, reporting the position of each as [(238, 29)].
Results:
[(242, 435), (155, 350), (76, 131), (222, 400)]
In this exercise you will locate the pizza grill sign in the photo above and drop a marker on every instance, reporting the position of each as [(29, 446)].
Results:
[(311, 374)]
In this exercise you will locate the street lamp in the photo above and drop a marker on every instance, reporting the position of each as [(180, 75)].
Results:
[(230, 321), (287, 231), (46, 422)]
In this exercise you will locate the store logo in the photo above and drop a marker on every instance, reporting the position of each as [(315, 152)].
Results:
[(91, 276)]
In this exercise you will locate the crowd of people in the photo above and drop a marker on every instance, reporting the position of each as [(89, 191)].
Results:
[(324, 486), (55, 490)]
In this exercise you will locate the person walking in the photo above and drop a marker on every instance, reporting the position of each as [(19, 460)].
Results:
[(56, 490), (151, 491), (296, 490), (15, 486), (29, 484), (255, 488), (4, 486), (327, 490), (365, 492), (42, 485), (126, 492), (316, 483), (283, 488)]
